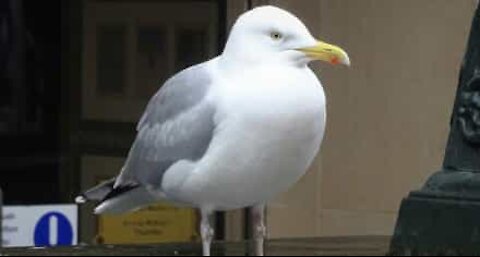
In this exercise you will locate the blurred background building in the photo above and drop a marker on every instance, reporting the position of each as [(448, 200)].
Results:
[(73, 85)]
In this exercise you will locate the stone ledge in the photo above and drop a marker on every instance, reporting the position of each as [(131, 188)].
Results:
[(339, 246)]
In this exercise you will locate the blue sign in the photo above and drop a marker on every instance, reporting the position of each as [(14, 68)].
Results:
[(63, 236)]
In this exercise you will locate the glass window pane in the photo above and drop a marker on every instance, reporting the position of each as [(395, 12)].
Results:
[(151, 68), (191, 47), (111, 59)]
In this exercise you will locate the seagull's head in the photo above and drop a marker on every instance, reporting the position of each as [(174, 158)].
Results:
[(270, 34)]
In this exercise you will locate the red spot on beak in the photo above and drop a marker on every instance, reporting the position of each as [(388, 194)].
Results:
[(335, 60)]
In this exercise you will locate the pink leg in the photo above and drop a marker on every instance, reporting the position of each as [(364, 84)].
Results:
[(206, 231), (259, 229)]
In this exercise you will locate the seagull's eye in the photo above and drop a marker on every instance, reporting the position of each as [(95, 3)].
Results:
[(276, 36)]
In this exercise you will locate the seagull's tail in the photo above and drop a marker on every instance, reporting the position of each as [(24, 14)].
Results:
[(117, 200)]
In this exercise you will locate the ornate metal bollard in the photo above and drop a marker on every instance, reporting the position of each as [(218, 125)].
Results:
[(444, 216)]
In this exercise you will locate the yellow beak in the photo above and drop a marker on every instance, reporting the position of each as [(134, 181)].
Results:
[(327, 52)]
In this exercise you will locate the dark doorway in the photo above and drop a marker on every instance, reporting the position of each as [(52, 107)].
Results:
[(29, 100)]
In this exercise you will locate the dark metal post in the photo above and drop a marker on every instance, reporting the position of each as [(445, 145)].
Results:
[(1, 218), (18, 63), (444, 216)]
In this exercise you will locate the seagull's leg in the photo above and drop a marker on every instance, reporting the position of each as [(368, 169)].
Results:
[(259, 229), (206, 231)]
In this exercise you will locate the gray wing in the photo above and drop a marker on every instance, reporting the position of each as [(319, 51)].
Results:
[(177, 124)]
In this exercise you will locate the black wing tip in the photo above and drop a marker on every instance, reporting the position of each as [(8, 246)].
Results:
[(119, 191), (115, 192), (96, 193)]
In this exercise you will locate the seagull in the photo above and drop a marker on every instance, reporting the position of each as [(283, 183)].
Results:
[(232, 132)]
